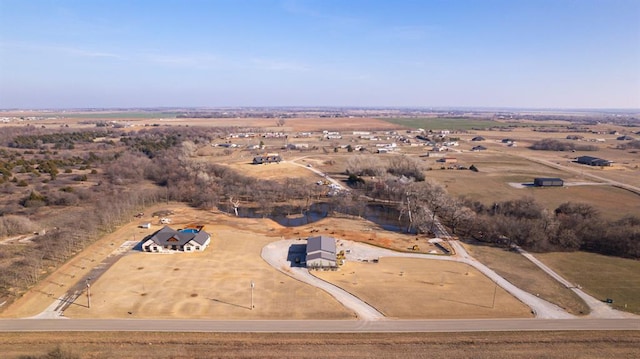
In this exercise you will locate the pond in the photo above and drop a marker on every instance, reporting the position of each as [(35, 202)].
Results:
[(386, 217)]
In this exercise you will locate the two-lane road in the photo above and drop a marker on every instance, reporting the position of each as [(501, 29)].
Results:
[(315, 326)]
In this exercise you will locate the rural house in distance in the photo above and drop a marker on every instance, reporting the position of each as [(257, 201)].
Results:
[(593, 161), (270, 158), (190, 239)]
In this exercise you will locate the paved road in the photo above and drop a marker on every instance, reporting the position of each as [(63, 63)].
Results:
[(316, 326)]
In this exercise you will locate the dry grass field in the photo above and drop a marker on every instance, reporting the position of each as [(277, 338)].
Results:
[(107, 345), (421, 288), (600, 276), (213, 284), (525, 275)]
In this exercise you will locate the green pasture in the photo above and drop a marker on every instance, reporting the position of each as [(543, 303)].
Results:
[(445, 123)]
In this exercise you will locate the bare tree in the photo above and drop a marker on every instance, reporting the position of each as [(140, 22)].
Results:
[(235, 205)]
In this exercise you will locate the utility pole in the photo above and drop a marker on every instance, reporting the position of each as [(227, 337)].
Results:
[(252, 286), (495, 289), (88, 294)]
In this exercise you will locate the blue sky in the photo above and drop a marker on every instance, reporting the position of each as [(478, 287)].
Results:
[(449, 53)]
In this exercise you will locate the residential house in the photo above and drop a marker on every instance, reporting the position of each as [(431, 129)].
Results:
[(593, 161), (321, 252), (167, 239)]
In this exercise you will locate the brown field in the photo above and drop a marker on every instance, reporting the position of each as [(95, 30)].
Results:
[(525, 275), (600, 276), (265, 124), (421, 288), (493, 345)]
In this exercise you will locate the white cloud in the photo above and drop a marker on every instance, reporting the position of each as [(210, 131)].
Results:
[(278, 65)]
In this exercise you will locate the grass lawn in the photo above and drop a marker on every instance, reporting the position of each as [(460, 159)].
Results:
[(601, 276), (527, 276)]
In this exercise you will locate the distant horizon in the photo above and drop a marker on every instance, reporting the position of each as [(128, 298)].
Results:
[(529, 54), (323, 107)]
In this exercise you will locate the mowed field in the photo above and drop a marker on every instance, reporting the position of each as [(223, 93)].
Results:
[(422, 288), (601, 276)]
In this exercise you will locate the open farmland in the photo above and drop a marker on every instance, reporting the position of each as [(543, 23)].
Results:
[(443, 123), (493, 345)]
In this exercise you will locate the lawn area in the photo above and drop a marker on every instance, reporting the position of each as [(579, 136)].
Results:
[(527, 276), (600, 276), (412, 288)]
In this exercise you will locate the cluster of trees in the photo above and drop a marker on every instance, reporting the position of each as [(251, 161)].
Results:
[(634, 144), (375, 166), (572, 226), (549, 144), (65, 140), (67, 234)]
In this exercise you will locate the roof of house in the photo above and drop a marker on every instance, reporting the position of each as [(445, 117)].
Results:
[(167, 236), (586, 159), (321, 243), (548, 179), (321, 255)]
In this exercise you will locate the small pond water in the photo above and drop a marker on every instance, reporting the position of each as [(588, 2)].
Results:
[(288, 216)]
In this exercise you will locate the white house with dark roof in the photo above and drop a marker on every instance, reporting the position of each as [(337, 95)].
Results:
[(186, 240), (321, 252)]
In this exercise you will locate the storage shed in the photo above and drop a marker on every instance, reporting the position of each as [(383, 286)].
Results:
[(548, 182)]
